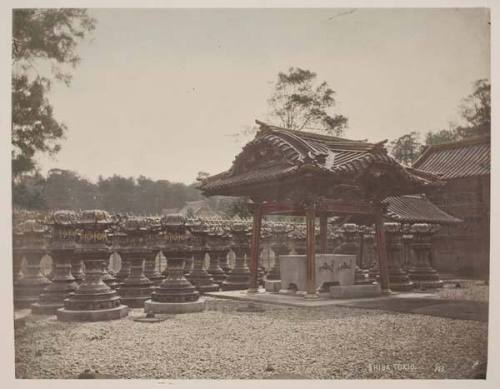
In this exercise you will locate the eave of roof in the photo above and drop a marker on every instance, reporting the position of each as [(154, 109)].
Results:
[(465, 158), (301, 150), (416, 209)]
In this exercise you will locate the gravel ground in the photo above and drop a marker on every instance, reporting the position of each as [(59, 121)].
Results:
[(222, 343), (469, 290)]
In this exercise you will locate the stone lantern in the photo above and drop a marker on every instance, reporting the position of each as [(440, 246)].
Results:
[(175, 294), (226, 239), (421, 272), (369, 259), (239, 277), (150, 269), (93, 300), (32, 246), (398, 278), (299, 239), (136, 287), (280, 233), (62, 249), (351, 234), (17, 257), (199, 276), (218, 248)]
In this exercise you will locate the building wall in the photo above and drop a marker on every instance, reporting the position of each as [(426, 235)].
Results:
[(464, 248)]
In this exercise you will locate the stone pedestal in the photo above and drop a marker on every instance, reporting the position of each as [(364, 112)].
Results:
[(224, 262), (63, 283), (214, 268), (28, 288), (124, 271), (421, 272), (136, 288), (398, 278), (175, 288), (93, 300), (199, 277), (238, 277), (77, 268), (369, 260), (188, 265), (175, 308), (108, 277), (150, 269)]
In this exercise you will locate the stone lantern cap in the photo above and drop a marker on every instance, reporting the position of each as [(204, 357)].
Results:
[(349, 228), (423, 228), (62, 218), (392, 227), (31, 235), (95, 219)]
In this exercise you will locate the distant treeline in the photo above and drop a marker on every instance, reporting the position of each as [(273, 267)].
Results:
[(65, 189)]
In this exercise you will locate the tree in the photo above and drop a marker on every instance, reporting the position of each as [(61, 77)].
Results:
[(442, 136), (298, 102), (476, 116), (476, 111), (41, 37), (238, 207), (406, 148)]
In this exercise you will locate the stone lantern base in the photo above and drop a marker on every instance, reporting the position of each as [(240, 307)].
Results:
[(173, 308), (93, 315), (92, 307), (425, 277)]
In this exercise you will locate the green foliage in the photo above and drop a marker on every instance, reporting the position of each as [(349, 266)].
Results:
[(65, 189), (28, 194), (476, 117), (406, 148), (476, 111), (41, 37), (443, 136), (34, 127), (238, 207), (299, 103)]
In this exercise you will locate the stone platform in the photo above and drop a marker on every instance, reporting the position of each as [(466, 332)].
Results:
[(298, 300), (186, 307), (93, 315)]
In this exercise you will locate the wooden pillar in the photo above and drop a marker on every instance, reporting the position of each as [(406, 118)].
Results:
[(255, 249), (381, 250), (311, 253), (323, 233)]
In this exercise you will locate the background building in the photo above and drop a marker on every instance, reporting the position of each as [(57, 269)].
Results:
[(465, 166)]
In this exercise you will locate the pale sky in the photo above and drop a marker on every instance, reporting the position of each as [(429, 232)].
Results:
[(159, 92)]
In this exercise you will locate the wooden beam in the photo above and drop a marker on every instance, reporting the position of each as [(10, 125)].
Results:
[(254, 249), (311, 253), (382, 250), (323, 233)]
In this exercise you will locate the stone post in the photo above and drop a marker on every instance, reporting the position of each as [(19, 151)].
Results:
[(175, 294), (398, 278), (238, 277), (421, 272), (32, 246), (93, 300)]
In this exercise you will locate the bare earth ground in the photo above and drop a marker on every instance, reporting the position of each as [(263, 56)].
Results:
[(285, 342)]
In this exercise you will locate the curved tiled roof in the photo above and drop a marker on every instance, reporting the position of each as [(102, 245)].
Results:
[(416, 209), (298, 149), (457, 159)]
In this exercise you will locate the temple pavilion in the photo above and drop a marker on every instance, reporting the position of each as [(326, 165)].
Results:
[(288, 172)]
